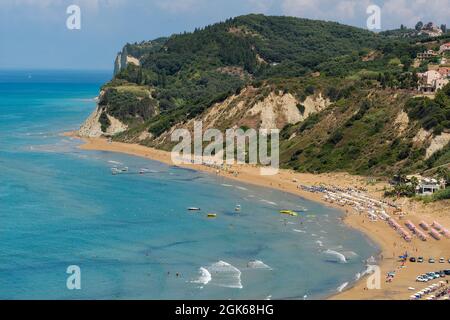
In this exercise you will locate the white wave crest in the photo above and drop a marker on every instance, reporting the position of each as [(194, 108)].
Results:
[(335, 256), (350, 255), (342, 287), (269, 202), (257, 264), (221, 274), (115, 162), (204, 277), (226, 185)]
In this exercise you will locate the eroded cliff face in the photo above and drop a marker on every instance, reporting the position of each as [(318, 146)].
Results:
[(123, 59), (92, 127), (249, 109)]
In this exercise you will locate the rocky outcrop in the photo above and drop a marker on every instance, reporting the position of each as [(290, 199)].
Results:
[(438, 143), (401, 122), (92, 127), (434, 143), (123, 59), (249, 109)]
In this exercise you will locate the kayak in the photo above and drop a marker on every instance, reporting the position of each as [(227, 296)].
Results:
[(212, 215)]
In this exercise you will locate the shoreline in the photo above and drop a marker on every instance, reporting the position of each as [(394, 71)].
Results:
[(389, 244)]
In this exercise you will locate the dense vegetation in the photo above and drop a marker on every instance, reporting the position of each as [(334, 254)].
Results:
[(368, 77), (432, 114), (188, 72)]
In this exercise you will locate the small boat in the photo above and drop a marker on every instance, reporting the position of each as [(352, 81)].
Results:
[(212, 215), (289, 212), (125, 169), (194, 209), (238, 208)]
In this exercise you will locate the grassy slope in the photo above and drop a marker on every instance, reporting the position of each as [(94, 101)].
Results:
[(355, 68)]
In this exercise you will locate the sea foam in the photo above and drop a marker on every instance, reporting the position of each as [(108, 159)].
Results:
[(257, 264), (204, 277), (334, 256), (342, 287), (269, 202), (221, 274)]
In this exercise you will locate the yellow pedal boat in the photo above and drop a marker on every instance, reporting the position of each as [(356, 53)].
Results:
[(289, 212)]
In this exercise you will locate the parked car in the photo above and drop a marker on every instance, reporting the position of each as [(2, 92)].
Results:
[(441, 260), (412, 259), (421, 279), (431, 260), (447, 272), (420, 260)]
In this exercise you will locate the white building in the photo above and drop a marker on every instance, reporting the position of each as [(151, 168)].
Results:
[(431, 81)]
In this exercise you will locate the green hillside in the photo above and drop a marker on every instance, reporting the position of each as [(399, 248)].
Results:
[(368, 78)]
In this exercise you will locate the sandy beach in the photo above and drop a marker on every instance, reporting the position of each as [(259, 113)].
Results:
[(390, 243)]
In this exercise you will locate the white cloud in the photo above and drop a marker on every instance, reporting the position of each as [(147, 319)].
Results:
[(393, 12), (412, 11), (46, 4), (325, 9), (177, 6)]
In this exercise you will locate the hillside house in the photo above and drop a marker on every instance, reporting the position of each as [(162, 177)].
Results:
[(444, 48), (431, 81), (428, 186), (427, 55)]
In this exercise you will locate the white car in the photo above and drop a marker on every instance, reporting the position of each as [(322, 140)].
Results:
[(420, 279)]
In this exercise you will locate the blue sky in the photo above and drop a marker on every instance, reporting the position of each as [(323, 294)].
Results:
[(33, 33)]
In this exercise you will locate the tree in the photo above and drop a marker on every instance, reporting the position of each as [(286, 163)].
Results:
[(414, 182), (444, 173), (419, 25)]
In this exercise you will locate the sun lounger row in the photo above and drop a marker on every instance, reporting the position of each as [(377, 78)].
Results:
[(439, 228), (400, 230), (416, 231)]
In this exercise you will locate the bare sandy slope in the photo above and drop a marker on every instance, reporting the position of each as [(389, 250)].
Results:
[(390, 243)]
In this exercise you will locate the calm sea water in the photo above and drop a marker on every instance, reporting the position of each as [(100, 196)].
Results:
[(131, 234)]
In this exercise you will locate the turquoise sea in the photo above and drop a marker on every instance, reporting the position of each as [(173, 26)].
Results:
[(131, 235)]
